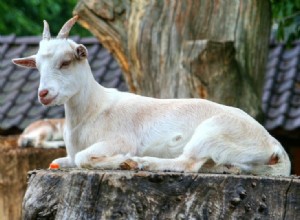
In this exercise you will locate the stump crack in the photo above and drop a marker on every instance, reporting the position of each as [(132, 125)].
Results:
[(286, 198)]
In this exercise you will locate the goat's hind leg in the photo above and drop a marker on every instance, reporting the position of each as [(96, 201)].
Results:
[(189, 161), (217, 139), (233, 143), (195, 154)]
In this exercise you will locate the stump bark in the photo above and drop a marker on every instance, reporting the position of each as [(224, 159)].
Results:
[(15, 163), (97, 194), (176, 49)]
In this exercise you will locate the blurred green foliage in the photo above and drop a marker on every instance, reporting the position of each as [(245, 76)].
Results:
[(286, 14), (25, 17)]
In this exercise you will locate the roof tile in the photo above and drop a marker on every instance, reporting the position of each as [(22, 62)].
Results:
[(28, 40), (287, 64), (284, 86), (295, 100), (4, 108), (270, 73), (35, 110), (294, 112), (89, 41), (8, 123), (287, 75), (290, 54), (18, 110), (23, 98), (275, 123), (3, 50), (17, 51), (11, 86), (273, 62), (275, 51), (281, 99), (7, 39)]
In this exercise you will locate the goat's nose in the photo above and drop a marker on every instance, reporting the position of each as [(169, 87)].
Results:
[(43, 93)]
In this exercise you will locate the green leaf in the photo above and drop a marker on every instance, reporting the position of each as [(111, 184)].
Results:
[(26, 17), (280, 32)]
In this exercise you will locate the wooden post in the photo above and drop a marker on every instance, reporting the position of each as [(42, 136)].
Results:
[(14, 165), (96, 194)]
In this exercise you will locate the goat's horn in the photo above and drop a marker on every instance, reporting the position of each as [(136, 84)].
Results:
[(46, 32), (64, 31)]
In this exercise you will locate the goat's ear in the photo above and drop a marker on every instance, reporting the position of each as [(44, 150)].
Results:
[(81, 52), (27, 62)]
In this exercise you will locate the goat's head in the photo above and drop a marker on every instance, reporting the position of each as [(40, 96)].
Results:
[(61, 64)]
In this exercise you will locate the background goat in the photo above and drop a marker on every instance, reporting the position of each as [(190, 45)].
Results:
[(106, 128), (43, 133)]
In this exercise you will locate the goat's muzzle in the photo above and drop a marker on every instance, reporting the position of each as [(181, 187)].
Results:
[(45, 98), (43, 93)]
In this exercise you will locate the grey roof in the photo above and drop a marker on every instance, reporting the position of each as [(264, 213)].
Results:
[(281, 96), (19, 105)]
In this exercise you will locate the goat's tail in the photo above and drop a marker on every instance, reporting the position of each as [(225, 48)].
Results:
[(279, 163)]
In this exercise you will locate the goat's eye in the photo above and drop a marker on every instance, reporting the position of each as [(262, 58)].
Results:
[(65, 64)]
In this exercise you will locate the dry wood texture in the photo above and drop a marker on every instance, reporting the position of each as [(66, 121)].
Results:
[(95, 194), (14, 165), (173, 49)]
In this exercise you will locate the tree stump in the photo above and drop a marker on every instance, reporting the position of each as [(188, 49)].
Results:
[(15, 163), (98, 194)]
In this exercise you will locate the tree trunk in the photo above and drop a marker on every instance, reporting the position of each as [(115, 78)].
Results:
[(95, 194), (174, 49), (14, 165)]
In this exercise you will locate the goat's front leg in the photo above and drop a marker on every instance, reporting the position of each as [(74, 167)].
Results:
[(181, 163), (64, 162), (105, 155)]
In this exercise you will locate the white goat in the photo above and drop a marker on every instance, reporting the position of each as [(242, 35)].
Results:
[(43, 133), (106, 128)]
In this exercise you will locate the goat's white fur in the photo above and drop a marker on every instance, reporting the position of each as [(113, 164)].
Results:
[(105, 127)]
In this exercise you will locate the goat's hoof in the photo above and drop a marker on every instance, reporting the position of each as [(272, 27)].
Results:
[(54, 166), (129, 165)]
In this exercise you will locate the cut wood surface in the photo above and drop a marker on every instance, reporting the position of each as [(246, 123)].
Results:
[(15, 163), (97, 194)]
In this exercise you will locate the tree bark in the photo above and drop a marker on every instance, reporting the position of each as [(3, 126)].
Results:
[(174, 49), (95, 194), (15, 162)]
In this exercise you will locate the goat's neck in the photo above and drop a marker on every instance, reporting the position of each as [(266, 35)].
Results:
[(85, 103)]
